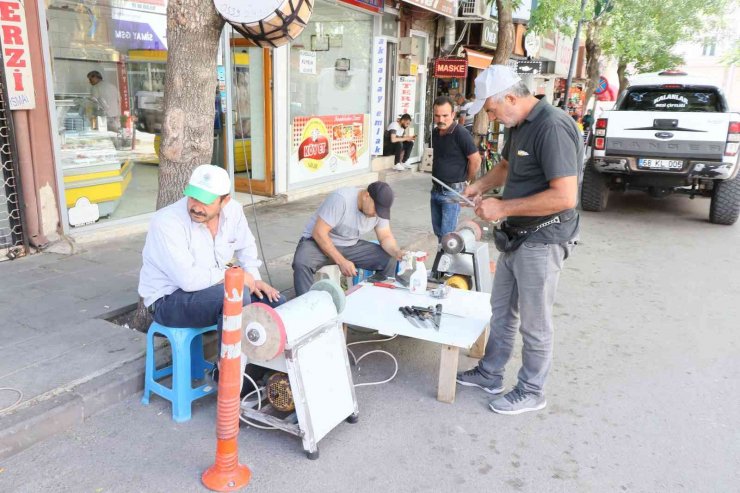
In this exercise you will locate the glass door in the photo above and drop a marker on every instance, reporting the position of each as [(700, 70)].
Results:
[(251, 101), (420, 96)]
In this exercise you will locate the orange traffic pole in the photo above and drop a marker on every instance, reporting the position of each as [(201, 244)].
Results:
[(226, 474)]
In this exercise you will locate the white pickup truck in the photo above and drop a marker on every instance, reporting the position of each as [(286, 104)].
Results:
[(668, 133)]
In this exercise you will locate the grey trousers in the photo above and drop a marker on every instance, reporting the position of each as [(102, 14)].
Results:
[(523, 293), (309, 258)]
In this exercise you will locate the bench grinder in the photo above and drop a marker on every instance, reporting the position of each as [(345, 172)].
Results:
[(462, 260), (302, 338)]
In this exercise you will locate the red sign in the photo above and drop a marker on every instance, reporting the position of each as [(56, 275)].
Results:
[(375, 6), (450, 68)]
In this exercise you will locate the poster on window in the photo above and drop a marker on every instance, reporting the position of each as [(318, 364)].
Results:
[(140, 25), (405, 95), (323, 146)]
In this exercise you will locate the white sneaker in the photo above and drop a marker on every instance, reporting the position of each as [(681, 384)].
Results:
[(409, 166), (399, 167)]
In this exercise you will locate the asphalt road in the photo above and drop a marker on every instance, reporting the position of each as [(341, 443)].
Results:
[(643, 394)]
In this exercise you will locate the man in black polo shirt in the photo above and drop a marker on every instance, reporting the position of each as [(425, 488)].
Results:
[(455, 162), (540, 170)]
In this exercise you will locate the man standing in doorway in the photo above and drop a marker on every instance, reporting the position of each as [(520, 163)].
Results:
[(108, 99), (399, 143), (455, 162), (540, 170), (464, 117)]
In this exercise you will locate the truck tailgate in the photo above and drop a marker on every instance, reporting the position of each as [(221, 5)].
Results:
[(667, 134)]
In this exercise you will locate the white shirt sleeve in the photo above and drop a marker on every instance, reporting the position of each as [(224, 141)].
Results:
[(175, 260), (246, 251)]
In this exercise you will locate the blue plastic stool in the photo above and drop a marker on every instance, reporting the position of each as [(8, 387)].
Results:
[(363, 274), (188, 363)]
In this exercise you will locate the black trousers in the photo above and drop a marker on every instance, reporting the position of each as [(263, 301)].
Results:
[(398, 149)]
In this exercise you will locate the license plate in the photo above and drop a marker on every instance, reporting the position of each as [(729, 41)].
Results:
[(659, 164)]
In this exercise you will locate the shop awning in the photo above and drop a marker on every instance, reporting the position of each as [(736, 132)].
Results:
[(478, 59)]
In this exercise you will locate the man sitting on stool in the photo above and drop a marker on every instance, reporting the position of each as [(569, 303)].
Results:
[(332, 235), (398, 143), (189, 247)]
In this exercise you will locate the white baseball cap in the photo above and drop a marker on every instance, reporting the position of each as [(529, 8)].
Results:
[(491, 81), (207, 183)]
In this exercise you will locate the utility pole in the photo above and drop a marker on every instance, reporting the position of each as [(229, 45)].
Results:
[(574, 56)]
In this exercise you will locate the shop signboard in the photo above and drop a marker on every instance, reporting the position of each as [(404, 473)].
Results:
[(444, 7), (450, 68), (405, 94), (324, 146), (17, 60), (489, 34), (140, 25), (374, 6), (377, 102)]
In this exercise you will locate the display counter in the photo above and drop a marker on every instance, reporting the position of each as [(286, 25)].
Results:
[(93, 168)]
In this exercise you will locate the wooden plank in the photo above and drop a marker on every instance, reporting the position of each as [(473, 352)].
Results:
[(447, 374), (479, 348)]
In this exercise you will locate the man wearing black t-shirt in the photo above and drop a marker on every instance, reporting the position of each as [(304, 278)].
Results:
[(540, 170), (455, 162)]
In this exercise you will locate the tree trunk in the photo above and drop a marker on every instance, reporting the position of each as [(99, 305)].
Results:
[(593, 54), (622, 74), (504, 48), (193, 31)]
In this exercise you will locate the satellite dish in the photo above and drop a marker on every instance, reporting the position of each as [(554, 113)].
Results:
[(267, 23)]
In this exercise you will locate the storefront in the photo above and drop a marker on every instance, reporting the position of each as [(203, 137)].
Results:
[(108, 64), (329, 89)]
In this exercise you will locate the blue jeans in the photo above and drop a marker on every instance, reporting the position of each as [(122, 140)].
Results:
[(198, 308), (444, 212)]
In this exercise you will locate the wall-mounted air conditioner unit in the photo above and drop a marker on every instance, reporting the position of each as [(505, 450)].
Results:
[(475, 8)]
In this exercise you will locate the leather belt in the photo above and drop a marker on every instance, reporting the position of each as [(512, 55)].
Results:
[(458, 186)]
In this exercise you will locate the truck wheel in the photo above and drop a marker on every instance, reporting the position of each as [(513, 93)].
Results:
[(594, 191), (725, 206)]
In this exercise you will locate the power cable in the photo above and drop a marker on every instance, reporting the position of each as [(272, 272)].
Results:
[(15, 404), (234, 85)]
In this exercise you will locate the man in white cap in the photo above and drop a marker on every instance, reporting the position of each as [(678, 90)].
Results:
[(189, 246), (539, 169)]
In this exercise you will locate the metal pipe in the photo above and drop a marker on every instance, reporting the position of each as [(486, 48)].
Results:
[(574, 55), (28, 199)]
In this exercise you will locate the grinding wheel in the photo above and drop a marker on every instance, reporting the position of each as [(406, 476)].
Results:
[(472, 226), (337, 295), (263, 332), (459, 282), (453, 243)]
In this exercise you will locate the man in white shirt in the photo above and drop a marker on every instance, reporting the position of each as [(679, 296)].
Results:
[(399, 143), (108, 99), (189, 246)]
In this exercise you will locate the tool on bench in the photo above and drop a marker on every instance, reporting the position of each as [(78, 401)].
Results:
[(411, 316), (419, 316), (388, 285)]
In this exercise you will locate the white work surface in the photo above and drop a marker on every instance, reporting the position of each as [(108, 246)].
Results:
[(376, 308), (465, 318)]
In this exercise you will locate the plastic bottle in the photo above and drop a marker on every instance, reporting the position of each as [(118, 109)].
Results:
[(418, 279)]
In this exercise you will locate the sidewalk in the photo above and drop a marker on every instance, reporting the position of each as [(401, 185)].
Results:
[(58, 348)]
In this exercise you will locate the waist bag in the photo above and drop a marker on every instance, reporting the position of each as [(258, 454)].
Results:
[(508, 238)]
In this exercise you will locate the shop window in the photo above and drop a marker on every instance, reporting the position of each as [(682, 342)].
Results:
[(329, 90), (108, 64)]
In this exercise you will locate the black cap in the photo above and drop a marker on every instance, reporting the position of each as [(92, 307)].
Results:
[(382, 195)]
